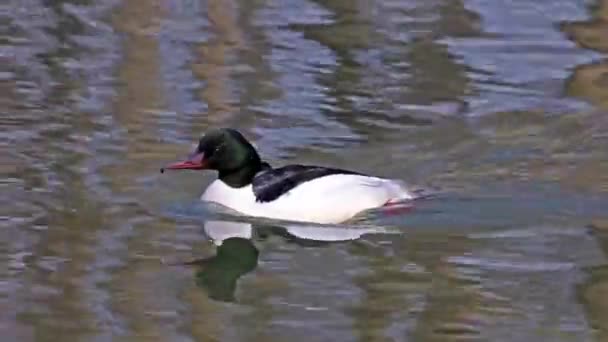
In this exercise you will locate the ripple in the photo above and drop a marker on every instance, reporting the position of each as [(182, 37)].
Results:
[(461, 94), (512, 265)]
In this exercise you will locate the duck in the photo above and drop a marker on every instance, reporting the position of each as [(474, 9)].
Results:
[(301, 193)]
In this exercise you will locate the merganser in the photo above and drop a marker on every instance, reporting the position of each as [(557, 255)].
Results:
[(301, 193)]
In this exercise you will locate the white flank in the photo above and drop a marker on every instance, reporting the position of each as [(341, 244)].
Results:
[(328, 199)]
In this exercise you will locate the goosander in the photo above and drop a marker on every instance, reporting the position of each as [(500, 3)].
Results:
[(301, 193)]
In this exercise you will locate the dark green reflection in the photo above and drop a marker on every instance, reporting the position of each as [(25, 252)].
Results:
[(237, 254), (219, 274)]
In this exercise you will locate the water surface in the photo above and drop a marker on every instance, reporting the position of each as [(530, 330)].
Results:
[(502, 106)]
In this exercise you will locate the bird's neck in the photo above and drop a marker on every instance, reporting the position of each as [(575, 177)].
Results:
[(242, 176)]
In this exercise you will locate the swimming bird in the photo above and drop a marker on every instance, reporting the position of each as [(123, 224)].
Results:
[(303, 193)]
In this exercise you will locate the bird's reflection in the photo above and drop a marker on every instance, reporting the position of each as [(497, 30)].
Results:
[(219, 274), (237, 254)]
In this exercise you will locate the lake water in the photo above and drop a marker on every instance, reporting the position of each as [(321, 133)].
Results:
[(502, 106)]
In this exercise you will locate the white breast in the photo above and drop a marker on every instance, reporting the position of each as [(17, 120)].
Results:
[(328, 199)]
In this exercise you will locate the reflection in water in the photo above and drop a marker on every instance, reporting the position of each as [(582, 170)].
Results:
[(219, 274), (594, 291), (236, 254), (590, 82), (501, 102)]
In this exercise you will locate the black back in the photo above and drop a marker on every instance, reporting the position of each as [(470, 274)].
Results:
[(269, 184)]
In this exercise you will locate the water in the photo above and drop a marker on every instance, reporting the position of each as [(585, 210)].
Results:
[(502, 106)]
